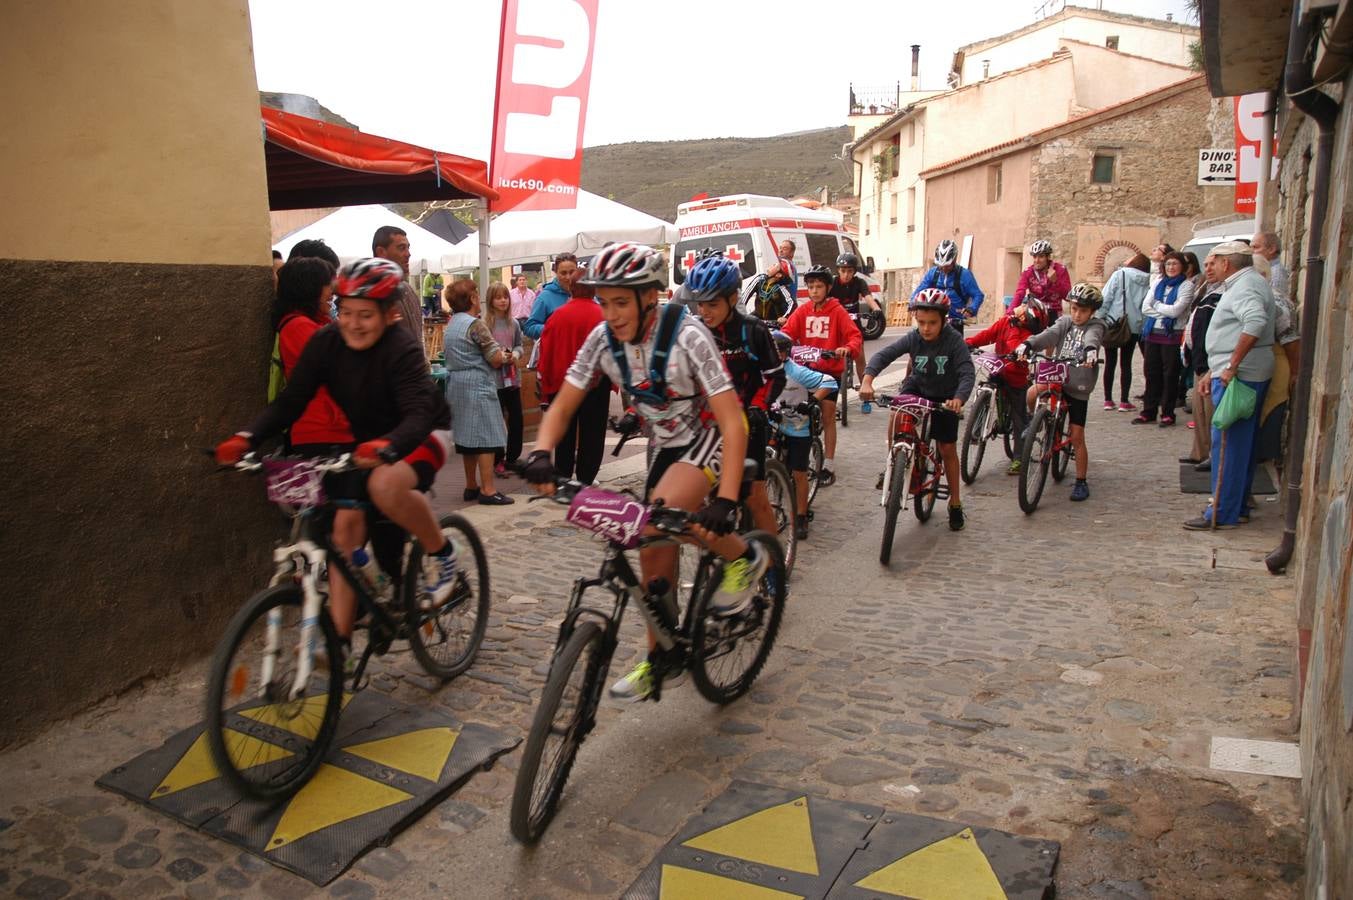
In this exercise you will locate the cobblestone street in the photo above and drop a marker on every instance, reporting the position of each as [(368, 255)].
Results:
[(1059, 675)]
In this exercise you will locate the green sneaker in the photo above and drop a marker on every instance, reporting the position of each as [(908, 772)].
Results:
[(1014, 467), (739, 583), (637, 685)]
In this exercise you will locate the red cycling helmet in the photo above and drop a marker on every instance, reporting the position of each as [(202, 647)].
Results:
[(931, 298), (370, 279)]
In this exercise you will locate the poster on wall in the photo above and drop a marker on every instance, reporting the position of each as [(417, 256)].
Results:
[(1249, 116), (544, 73)]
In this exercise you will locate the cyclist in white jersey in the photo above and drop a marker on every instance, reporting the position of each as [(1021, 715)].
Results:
[(696, 420)]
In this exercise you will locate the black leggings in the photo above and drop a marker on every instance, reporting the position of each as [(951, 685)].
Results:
[(509, 398), (1162, 379), (579, 454), (1112, 360)]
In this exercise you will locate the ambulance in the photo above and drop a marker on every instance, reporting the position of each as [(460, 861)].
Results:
[(748, 229)]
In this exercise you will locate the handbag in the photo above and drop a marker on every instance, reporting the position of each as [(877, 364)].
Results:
[(1237, 404), (1118, 334)]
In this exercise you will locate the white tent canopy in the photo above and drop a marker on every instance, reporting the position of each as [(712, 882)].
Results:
[(533, 235), (349, 231)]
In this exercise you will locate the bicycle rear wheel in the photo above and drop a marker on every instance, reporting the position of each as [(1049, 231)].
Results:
[(816, 459), (1035, 453), (780, 492), (729, 651), (266, 743), (925, 476), (1061, 438), (842, 401), (445, 637), (975, 437), (1006, 423), (897, 491), (563, 719)]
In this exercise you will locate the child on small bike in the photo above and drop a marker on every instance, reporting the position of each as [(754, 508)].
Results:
[(377, 374), (800, 381), (1021, 321), (824, 323), (1076, 335), (941, 371)]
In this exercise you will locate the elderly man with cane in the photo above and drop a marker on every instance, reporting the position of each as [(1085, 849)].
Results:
[(1242, 324)]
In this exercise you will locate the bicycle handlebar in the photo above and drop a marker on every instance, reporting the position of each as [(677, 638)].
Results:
[(253, 462), (663, 518)]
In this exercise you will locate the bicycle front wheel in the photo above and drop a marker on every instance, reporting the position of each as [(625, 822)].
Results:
[(842, 401), (1062, 440), (446, 636), (265, 742), (975, 437), (1006, 423), (925, 475), (780, 492), (897, 491), (728, 651), (1035, 454), (816, 460), (563, 719)]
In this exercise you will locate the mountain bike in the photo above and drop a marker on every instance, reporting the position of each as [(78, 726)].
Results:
[(1047, 443), (816, 454), (724, 652), (276, 685), (988, 416), (870, 321), (913, 470), (806, 356)]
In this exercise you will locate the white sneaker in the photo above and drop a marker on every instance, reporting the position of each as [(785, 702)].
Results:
[(439, 576), (738, 586)]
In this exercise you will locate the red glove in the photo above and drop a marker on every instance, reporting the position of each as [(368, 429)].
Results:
[(370, 451), (232, 449)]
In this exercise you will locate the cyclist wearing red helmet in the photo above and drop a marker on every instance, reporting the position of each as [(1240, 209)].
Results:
[(377, 374), (941, 371)]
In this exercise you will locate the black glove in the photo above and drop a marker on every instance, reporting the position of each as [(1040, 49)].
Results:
[(538, 468), (627, 424), (718, 516), (804, 408)]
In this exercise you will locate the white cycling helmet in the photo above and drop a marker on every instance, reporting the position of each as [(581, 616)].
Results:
[(626, 265), (946, 253), (1040, 248)]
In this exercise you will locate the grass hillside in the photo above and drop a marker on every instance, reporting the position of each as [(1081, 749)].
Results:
[(655, 176)]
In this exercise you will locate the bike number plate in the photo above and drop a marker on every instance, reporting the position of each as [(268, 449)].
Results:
[(805, 356), (912, 405), (1050, 373), (991, 365), (293, 482), (616, 517)]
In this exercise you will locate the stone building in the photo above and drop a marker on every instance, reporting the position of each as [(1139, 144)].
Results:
[(1100, 187), (1299, 52)]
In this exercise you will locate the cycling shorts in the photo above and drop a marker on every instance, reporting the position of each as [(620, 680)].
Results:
[(1076, 410), (798, 451), (705, 453), (943, 422), (349, 488), (758, 436)]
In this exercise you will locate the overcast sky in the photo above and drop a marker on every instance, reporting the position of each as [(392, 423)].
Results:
[(423, 71)]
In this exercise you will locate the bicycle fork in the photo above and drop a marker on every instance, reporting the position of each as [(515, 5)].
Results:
[(312, 607), (898, 447)]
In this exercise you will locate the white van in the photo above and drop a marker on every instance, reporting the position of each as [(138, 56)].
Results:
[(748, 228), (1204, 239)]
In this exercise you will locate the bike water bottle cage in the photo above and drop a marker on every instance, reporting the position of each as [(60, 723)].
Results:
[(655, 394)]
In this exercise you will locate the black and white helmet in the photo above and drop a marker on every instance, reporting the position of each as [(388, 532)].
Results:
[(1084, 294), (946, 253), (847, 261), (1040, 248), (626, 265)]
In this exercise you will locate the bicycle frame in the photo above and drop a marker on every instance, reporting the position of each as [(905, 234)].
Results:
[(909, 432)]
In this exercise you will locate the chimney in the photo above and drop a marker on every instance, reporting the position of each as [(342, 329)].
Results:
[(915, 67), (986, 68), (1169, 17)]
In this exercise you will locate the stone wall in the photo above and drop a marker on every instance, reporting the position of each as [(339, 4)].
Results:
[(1155, 184), (1323, 563)]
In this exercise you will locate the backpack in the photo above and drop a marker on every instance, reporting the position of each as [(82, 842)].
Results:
[(277, 376), (670, 317)]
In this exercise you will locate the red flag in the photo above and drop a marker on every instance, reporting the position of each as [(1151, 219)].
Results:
[(544, 71)]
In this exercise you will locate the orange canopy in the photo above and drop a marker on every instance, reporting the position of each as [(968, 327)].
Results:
[(315, 164)]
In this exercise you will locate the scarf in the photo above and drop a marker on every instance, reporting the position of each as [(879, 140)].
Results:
[(1160, 329)]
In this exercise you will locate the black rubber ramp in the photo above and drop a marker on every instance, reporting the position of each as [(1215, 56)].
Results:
[(389, 764), (755, 842)]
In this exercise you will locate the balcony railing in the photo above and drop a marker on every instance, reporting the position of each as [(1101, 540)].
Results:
[(872, 100)]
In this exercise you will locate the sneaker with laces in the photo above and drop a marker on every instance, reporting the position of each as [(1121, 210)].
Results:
[(801, 528), (637, 685), (739, 583), (1014, 467), (827, 478), (439, 575), (956, 520), (1110, 405), (1080, 491), (1125, 406)]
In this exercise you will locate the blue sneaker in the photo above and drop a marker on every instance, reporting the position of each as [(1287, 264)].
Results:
[(439, 578), (866, 408), (1080, 491)]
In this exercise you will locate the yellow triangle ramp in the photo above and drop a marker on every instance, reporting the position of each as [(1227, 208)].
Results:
[(334, 795), (688, 884), (303, 718), (197, 767), (954, 868), (780, 836), (423, 753)]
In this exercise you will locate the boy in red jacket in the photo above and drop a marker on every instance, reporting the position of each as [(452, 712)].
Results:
[(1019, 322), (580, 452), (824, 323)]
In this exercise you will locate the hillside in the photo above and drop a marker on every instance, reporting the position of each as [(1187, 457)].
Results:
[(655, 176)]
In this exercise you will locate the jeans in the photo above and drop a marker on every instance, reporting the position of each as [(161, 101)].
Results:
[(1233, 470), (1120, 359)]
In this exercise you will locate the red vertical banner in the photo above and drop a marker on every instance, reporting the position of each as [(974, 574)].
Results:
[(544, 71), (1249, 132)]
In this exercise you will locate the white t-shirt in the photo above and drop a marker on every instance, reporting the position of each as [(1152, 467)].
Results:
[(695, 371)]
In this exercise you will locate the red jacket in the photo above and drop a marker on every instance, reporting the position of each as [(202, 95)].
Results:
[(1007, 336), (322, 422), (1051, 287), (565, 331), (826, 328)]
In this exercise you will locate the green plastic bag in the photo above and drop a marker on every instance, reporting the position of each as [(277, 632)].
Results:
[(1237, 403)]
